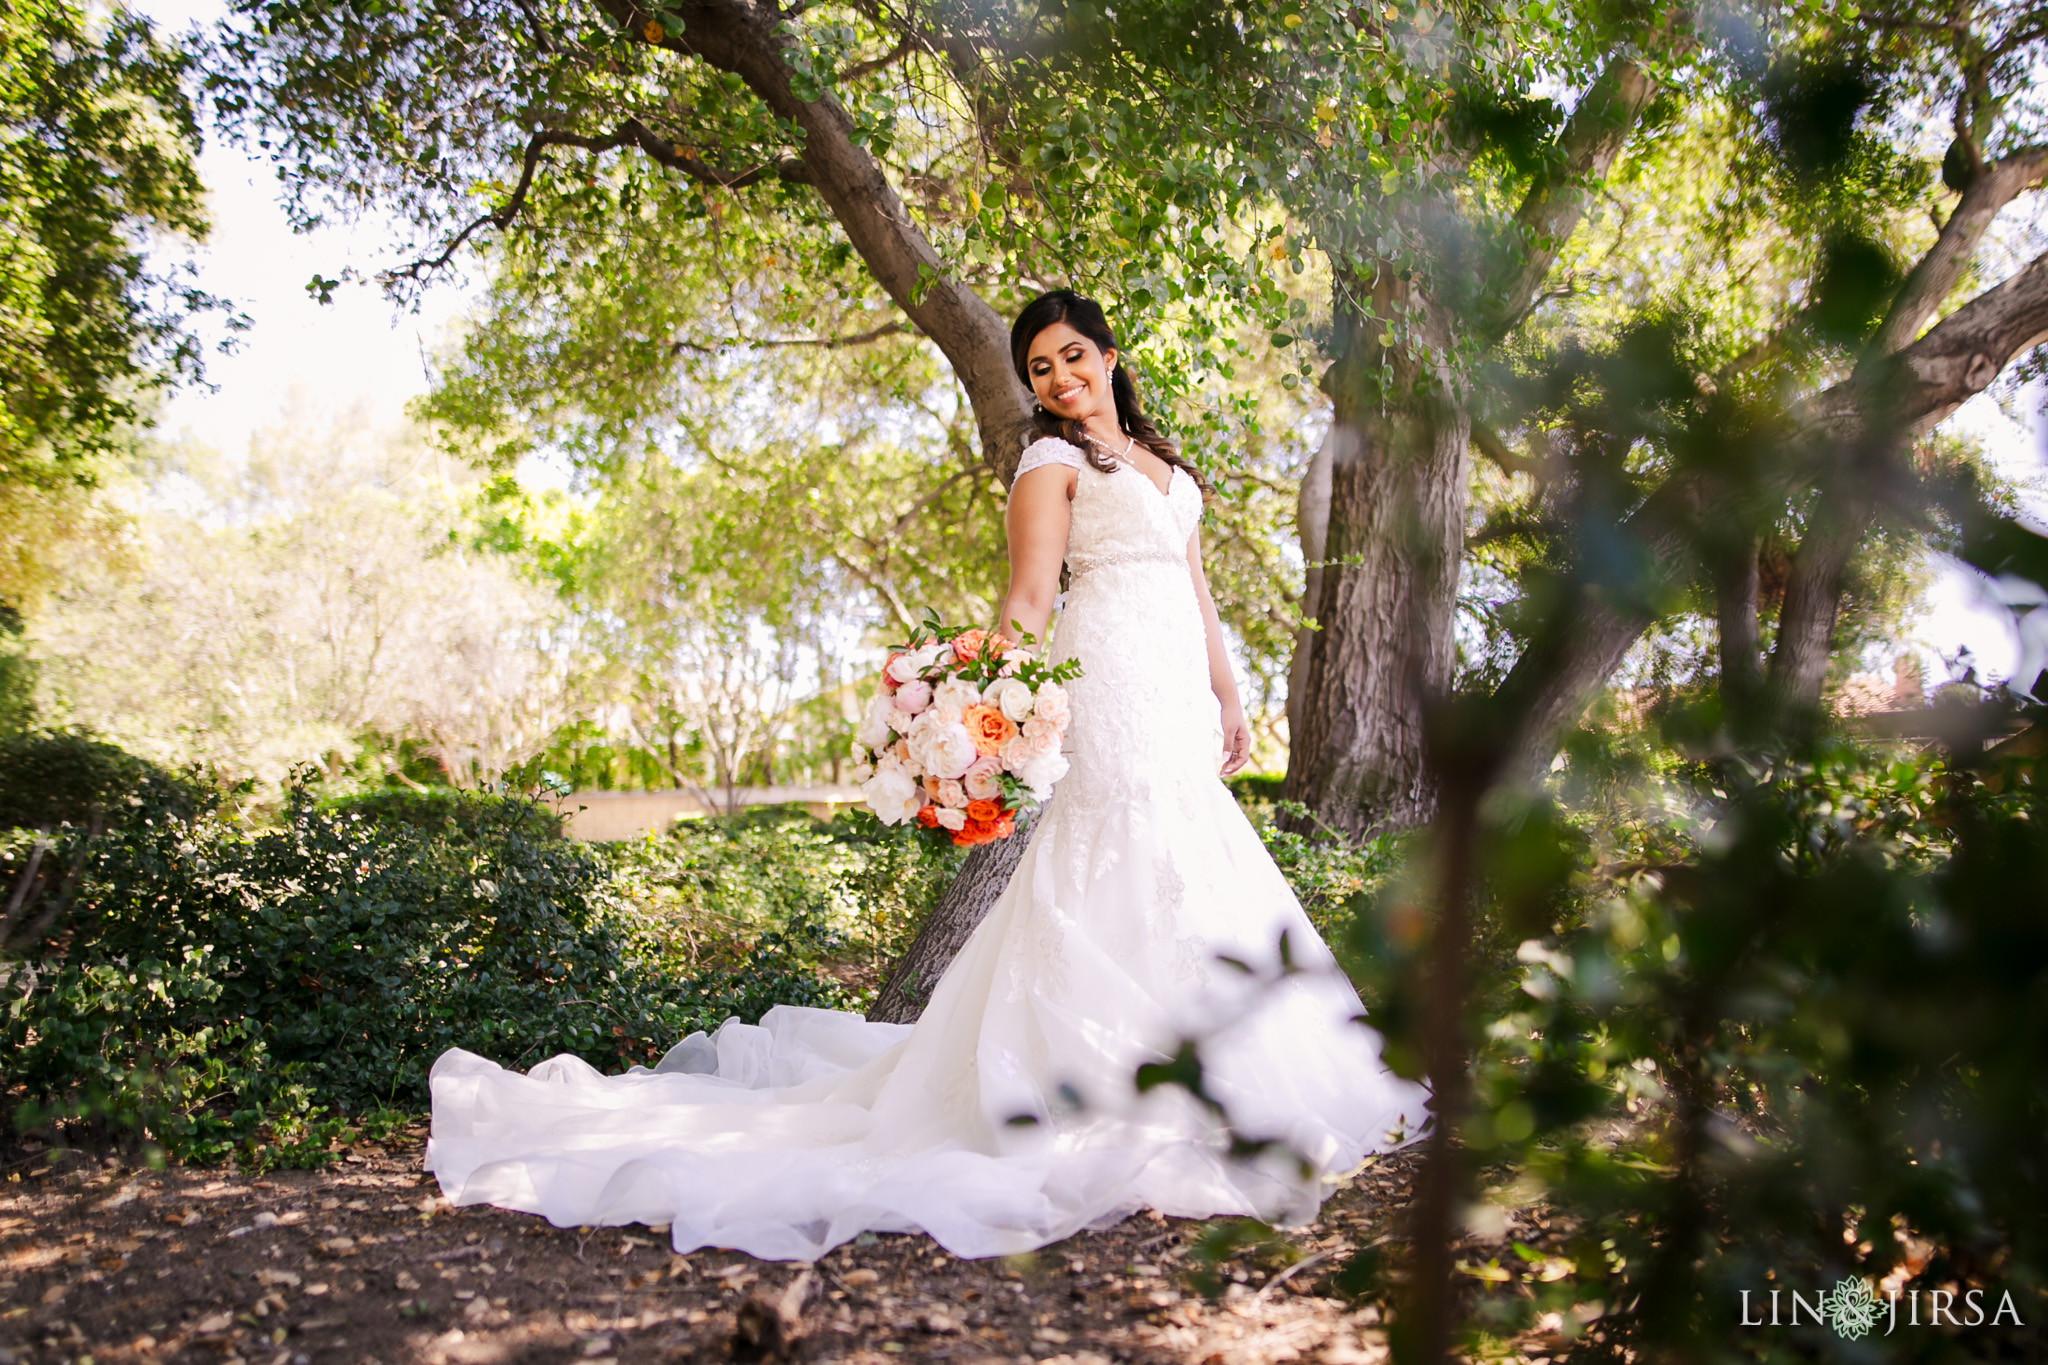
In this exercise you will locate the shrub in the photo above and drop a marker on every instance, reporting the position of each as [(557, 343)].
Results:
[(69, 778), (219, 987), (847, 895)]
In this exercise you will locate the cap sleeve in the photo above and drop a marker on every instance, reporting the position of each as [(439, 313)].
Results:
[(1050, 450)]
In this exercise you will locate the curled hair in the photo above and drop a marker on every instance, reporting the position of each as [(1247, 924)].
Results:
[(1085, 316)]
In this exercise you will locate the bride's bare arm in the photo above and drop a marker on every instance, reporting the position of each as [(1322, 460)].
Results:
[(1237, 736), (1041, 511)]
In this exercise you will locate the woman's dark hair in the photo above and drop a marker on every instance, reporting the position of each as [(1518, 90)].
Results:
[(1084, 315)]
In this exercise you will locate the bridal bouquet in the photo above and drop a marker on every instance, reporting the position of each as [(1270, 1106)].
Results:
[(966, 733)]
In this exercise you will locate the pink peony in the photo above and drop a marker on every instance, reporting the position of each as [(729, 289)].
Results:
[(913, 696)]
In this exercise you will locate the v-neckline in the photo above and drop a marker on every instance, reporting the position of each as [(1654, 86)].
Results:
[(1171, 470)]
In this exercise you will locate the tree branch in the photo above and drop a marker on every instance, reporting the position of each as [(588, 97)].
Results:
[(887, 329), (746, 40), (1557, 675), (1934, 276), (888, 59), (1597, 131), (630, 133)]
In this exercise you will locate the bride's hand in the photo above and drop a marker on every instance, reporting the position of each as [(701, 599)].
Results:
[(1237, 740)]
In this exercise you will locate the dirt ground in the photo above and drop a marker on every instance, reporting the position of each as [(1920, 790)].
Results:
[(364, 1263)]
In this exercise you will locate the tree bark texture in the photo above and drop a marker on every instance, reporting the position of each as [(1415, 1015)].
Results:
[(1390, 529), (946, 931), (1311, 523), (1383, 648), (1735, 610)]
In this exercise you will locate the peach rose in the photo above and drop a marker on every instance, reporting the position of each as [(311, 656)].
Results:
[(981, 776), (949, 794), (1051, 704), (1038, 739), (990, 728), (948, 818), (968, 644)]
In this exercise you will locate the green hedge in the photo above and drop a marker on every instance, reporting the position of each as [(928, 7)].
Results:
[(218, 990)]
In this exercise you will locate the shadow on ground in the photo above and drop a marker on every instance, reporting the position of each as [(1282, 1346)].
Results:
[(364, 1263)]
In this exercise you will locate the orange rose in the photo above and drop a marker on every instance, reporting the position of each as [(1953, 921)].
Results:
[(976, 832), (988, 812), (968, 644), (989, 728), (928, 816), (1007, 825)]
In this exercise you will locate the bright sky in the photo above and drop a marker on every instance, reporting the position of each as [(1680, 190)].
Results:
[(359, 351)]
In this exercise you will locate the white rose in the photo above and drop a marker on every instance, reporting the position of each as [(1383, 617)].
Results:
[(873, 731), (917, 738), (903, 667), (948, 750), (952, 819), (930, 655), (956, 695), (891, 795), (1040, 773), (862, 772), (1051, 704), (1011, 697)]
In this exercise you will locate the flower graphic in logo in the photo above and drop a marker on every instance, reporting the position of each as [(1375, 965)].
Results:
[(1851, 1308)]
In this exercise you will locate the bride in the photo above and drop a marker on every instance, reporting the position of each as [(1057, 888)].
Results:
[(1145, 923)]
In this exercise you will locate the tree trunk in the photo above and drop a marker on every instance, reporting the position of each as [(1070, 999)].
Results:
[(958, 913), (747, 40), (1311, 523), (1735, 609), (1383, 648), (1813, 601)]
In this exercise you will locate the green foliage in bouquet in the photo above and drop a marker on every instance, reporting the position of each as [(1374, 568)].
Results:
[(986, 663)]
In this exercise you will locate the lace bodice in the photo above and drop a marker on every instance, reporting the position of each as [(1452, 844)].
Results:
[(1120, 518), (1145, 721)]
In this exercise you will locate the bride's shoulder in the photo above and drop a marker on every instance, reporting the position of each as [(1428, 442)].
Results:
[(1050, 450)]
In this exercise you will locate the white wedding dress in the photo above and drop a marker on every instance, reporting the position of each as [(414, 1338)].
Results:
[(1007, 1117)]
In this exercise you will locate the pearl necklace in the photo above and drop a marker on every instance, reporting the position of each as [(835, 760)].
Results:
[(1128, 447)]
